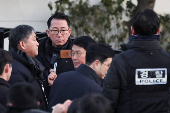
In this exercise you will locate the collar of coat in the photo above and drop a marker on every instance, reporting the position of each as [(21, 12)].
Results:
[(4, 83), (156, 36), (48, 46), (89, 72), (31, 63), (142, 43)]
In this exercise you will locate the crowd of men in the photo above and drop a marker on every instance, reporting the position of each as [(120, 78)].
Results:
[(65, 75)]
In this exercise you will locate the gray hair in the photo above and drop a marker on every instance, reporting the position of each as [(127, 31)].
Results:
[(20, 33)]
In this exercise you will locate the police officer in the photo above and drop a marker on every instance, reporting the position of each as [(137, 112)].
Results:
[(138, 78)]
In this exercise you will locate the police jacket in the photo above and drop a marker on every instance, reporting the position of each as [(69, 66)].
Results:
[(4, 88), (46, 58), (138, 78), (27, 69), (74, 84)]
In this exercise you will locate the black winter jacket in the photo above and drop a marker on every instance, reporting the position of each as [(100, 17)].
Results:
[(74, 84), (27, 69), (4, 88), (45, 51), (131, 87)]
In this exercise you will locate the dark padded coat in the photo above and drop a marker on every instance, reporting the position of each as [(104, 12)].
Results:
[(120, 84), (4, 88), (45, 51), (74, 84), (24, 70)]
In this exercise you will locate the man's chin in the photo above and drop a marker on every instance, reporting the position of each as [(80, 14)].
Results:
[(35, 55), (58, 45), (76, 66)]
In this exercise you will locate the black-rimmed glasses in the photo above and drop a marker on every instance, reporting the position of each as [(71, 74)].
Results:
[(59, 31), (78, 54)]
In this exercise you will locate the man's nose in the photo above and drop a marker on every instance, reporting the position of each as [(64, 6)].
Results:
[(59, 33), (37, 43)]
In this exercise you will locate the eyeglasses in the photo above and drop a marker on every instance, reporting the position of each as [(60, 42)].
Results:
[(56, 32), (78, 54), (108, 65), (10, 65)]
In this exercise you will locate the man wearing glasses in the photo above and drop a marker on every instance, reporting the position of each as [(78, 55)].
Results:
[(50, 48), (78, 51)]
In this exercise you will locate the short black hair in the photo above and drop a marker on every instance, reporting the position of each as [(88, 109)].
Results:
[(20, 33), (94, 103), (23, 96), (83, 41), (5, 58), (60, 16), (99, 52), (146, 23)]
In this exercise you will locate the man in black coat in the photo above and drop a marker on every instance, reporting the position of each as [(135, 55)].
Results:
[(5, 73), (85, 79), (52, 47), (26, 68), (138, 78)]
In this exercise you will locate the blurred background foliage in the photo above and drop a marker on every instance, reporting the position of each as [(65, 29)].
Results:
[(104, 21)]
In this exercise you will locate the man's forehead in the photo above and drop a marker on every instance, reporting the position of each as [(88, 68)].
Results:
[(58, 27), (108, 60), (59, 21), (76, 48), (33, 34)]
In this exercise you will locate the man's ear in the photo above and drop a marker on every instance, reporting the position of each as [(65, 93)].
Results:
[(70, 30), (47, 31), (132, 30), (159, 31), (10, 104), (21, 45), (38, 103), (96, 63), (6, 68)]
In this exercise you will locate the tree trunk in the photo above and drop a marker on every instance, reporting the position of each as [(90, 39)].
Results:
[(142, 4)]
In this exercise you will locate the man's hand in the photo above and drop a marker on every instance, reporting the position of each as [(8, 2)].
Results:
[(51, 77), (62, 108)]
